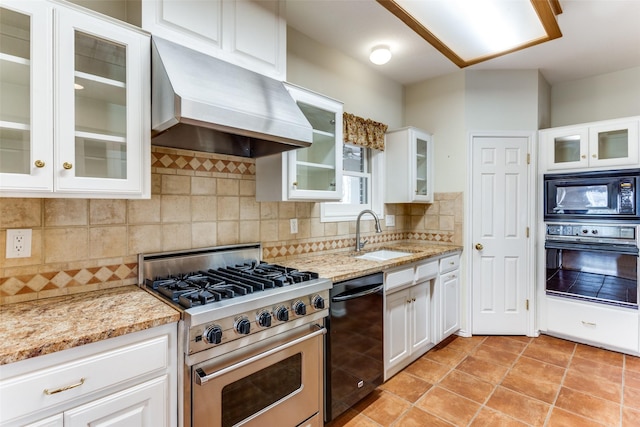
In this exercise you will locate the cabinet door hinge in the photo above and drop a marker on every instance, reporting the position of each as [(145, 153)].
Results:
[(528, 158), (527, 232), (527, 305)]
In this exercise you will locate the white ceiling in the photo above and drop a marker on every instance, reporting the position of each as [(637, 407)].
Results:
[(599, 36)]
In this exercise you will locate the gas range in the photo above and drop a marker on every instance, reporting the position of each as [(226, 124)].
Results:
[(228, 298)]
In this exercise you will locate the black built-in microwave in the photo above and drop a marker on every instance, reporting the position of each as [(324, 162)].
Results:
[(598, 195)]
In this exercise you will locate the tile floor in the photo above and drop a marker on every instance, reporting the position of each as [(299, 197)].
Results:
[(506, 381)]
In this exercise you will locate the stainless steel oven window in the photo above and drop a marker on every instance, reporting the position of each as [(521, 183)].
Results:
[(251, 394)]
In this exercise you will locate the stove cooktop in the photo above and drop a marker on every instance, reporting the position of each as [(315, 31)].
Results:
[(212, 285)]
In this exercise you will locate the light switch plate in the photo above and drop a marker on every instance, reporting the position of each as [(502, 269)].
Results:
[(18, 243), (390, 220)]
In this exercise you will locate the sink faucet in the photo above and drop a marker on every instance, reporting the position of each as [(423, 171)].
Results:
[(359, 244)]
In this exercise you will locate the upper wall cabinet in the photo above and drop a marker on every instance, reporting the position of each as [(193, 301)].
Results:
[(74, 115), (409, 165), (249, 33), (606, 144), (313, 173)]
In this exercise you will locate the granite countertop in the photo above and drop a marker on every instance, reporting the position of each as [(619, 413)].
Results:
[(35, 328), (343, 265)]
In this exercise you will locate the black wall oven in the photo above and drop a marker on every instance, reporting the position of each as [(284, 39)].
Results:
[(593, 262), (587, 196)]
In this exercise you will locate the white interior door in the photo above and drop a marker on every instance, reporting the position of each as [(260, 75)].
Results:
[(500, 265)]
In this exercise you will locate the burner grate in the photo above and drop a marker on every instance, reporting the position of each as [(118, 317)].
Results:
[(205, 287)]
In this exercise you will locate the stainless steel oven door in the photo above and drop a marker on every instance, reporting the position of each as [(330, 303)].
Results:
[(605, 273), (276, 382)]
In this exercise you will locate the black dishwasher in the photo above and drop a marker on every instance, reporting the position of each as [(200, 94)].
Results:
[(354, 347)]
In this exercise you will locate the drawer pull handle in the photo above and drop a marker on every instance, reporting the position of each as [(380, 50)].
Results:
[(65, 388), (588, 323)]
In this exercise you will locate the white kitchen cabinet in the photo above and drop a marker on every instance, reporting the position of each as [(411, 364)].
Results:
[(408, 317), (615, 328), (306, 174), (448, 317), (140, 406), (74, 116), (127, 380), (249, 33), (54, 421), (409, 165), (606, 144)]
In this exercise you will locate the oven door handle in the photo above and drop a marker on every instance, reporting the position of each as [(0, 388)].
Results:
[(618, 249), (202, 378)]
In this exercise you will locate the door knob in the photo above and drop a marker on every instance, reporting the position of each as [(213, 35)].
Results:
[(479, 246)]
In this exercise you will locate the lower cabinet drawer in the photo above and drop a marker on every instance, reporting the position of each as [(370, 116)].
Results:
[(427, 270), (56, 385), (397, 278), (611, 327), (449, 263)]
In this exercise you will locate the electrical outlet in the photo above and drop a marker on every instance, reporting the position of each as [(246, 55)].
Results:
[(293, 223), (19, 243), (390, 220)]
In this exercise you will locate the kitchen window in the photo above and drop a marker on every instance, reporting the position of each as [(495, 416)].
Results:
[(362, 182)]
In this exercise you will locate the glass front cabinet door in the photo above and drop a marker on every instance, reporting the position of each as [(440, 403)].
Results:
[(315, 172), (26, 122), (409, 166), (612, 143), (79, 126)]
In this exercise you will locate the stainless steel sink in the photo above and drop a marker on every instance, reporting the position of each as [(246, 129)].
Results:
[(382, 255)]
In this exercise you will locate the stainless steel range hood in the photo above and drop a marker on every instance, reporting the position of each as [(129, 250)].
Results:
[(205, 104)]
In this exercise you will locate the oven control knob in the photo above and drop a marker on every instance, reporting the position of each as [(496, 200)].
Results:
[(317, 302), (282, 314), (585, 231), (264, 319), (213, 334), (594, 231), (299, 308), (243, 326)]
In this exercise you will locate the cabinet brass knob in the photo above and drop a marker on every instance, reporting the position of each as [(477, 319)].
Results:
[(595, 156), (583, 157), (67, 165), (479, 246), (39, 163)]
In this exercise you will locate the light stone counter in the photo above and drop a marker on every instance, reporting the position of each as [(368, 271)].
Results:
[(35, 328), (343, 265)]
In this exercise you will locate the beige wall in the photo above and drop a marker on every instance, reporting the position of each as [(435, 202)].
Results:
[(364, 92), (453, 105), (198, 200), (438, 106), (607, 96)]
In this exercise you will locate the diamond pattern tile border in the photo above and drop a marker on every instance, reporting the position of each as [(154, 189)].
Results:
[(302, 248), (57, 280), (169, 158)]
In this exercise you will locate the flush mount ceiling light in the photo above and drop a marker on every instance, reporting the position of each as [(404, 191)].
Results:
[(380, 55), (471, 31)]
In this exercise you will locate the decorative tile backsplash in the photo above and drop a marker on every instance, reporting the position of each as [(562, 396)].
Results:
[(198, 200)]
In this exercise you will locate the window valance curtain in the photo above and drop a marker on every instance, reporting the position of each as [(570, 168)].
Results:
[(363, 132)]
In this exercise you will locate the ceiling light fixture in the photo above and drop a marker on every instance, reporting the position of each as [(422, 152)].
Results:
[(471, 31), (380, 55)]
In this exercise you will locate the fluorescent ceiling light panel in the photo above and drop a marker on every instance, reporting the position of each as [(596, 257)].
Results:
[(472, 31)]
